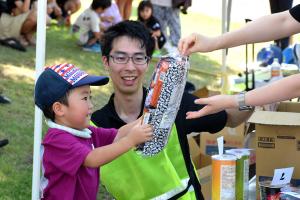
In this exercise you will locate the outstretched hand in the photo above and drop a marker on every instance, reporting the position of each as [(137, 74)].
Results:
[(195, 43), (213, 104)]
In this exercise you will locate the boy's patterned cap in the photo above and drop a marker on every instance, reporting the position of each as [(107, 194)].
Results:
[(56, 80)]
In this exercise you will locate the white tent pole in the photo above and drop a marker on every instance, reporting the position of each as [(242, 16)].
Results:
[(40, 62), (225, 27)]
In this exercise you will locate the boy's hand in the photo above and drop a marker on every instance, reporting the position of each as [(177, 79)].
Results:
[(140, 133)]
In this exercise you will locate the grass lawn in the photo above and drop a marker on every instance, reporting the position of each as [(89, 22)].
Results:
[(17, 82)]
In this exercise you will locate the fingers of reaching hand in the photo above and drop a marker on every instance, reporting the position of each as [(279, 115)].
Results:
[(180, 43), (200, 113), (189, 44), (183, 46), (194, 114), (201, 101)]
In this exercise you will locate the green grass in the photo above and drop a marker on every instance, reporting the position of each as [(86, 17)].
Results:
[(17, 82)]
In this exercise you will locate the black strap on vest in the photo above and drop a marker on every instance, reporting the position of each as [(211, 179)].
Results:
[(180, 194)]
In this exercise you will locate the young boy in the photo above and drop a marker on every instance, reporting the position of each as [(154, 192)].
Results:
[(88, 24), (73, 151)]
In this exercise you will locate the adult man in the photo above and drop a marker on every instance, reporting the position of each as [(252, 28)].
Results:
[(127, 48)]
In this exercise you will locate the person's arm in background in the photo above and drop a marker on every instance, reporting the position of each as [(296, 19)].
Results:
[(284, 89), (264, 29), (23, 6)]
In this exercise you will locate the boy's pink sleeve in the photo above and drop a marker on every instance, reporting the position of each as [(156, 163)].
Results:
[(103, 136)]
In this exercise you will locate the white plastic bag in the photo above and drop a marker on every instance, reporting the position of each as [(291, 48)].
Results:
[(163, 100)]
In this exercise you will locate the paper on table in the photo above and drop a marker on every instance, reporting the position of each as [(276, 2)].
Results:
[(220, 141), (282, 176)]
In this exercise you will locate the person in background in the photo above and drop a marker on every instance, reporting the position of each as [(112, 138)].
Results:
[(264, 29), (276, 7), (145, 15), (72, 150), (126, 51), (54, 11), (125, 7), (109, 17), (88, 24), (168, 17), (18, 21), (68, 7)]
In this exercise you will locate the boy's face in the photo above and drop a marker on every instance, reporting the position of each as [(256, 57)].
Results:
[(78, 113), (127, 78)]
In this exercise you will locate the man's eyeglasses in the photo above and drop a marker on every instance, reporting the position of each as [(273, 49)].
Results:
[(124, 59)]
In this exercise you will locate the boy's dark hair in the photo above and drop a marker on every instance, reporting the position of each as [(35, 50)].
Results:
[(141, 7), (48, 111), (132, 29), (100, 4)]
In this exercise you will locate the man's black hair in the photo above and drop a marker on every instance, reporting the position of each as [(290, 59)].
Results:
[(132, 29), (141, 7), (100, 4)]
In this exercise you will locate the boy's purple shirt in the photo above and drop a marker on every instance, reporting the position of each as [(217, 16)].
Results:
[(65, 177)]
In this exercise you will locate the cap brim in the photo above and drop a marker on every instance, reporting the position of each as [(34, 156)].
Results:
[(92, 80)]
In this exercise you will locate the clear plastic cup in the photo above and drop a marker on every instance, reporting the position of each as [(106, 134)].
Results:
[(270, 192)]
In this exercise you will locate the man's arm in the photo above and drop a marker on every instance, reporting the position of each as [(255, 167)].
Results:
[(211, 123), (23, 6)]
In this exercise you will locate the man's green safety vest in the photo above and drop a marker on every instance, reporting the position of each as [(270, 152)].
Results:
[(133, 177)]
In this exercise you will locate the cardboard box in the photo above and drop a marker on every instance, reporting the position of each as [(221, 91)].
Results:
[(277, 140), (233, 138), (203, 166), (205, 92), (204, 174), (199, 159)]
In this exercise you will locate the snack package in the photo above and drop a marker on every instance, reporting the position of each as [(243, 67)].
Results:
[(163, 100)]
